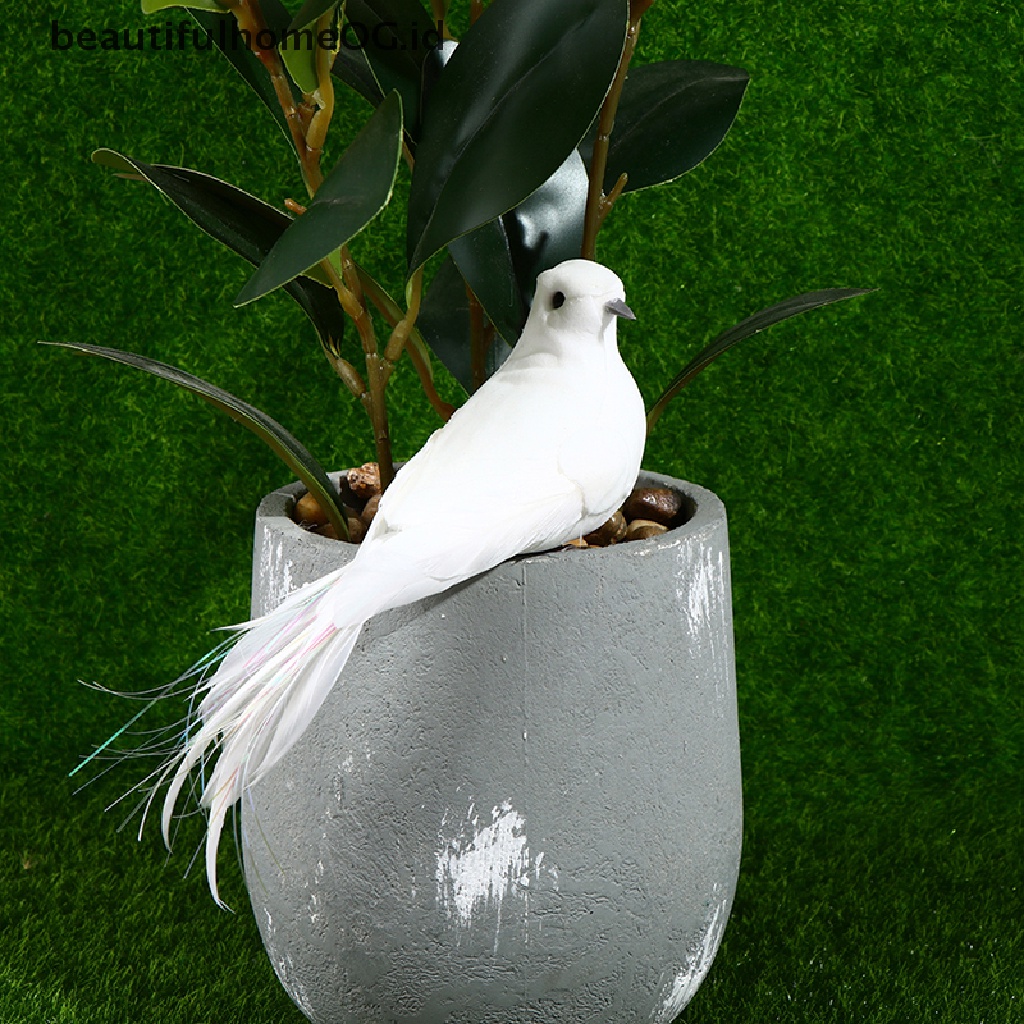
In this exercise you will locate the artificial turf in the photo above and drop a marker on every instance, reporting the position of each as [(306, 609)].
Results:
[(870, 456)]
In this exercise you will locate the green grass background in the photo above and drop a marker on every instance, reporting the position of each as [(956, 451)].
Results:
[(869, 455)]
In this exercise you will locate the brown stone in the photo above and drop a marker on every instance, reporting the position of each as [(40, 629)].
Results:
[(576, 542), (654, 504), (349, 499), (356, 529), (370, 510), (364, 480), (308, 511), (611, 532), (641, 529)]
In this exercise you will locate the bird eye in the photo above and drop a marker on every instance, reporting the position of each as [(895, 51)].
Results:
[(557, 300)]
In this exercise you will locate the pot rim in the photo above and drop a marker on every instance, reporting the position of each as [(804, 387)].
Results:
[(708, 515)]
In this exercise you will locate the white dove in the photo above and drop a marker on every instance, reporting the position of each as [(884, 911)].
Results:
[(545, 451)]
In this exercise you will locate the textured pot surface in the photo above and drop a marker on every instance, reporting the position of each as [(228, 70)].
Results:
[(521, 801)]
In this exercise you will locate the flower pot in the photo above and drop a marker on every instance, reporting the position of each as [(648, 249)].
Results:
[(521, 802)]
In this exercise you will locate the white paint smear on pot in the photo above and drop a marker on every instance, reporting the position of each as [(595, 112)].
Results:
[(481, 865)]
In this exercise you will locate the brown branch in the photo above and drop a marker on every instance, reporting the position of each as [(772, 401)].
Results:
[(477, 340), (388, 309), (596, 199)]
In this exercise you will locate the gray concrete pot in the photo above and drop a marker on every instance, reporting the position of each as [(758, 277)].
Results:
[(522, 800)]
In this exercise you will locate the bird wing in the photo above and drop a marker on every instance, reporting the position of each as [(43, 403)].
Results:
[(488, 486)]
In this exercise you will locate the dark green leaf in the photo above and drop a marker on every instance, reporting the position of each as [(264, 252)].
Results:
[(352, 68), (309, 12), (221, 28), (152, 6), (485, 261), (433, 64), (444, 323), (753, 324), (514, 100), (357, 189), (285, 445), (394, 37), (242, 222), (671, 116), (547, 227)]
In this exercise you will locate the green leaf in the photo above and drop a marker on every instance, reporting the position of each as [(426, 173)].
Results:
[(484, 259), (287, 447), (352, 68), (152, 6), (394, 37), (514, 100), (245, 224), (220, 28), (299, 44), (671, 116), (547, 227), (444, 322), (758, 322), (356, 190), (309, 12)]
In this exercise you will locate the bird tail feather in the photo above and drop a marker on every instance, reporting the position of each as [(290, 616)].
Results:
[(264, 693)]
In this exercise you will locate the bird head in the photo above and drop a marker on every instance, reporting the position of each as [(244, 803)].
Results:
[(580, 297)]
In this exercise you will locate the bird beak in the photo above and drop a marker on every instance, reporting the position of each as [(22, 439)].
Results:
[(619, 308)]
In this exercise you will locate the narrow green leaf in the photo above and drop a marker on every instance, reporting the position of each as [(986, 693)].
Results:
[(547, 227), (352, 68), (394, 37), (221, 29), (758, 322), (298, 46), (245, 224), (671, 116), (309, 12), (444, 321), (356, 190), (152, 6), (513, 101), (484, 259), (285, 445)]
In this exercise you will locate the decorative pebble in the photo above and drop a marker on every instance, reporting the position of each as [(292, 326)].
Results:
[(641, 529), (370, 510), (611, 532), (349, 499), (364, 480), (653, 504), (576, 542), (356, 529), (309, 512)]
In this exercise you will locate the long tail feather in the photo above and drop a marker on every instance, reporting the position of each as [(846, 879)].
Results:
[(248, 701), (259, 701)]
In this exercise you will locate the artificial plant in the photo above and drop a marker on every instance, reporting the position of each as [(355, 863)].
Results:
[(519, 139)]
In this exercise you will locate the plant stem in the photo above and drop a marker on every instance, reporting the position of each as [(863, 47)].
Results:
[(249, 16), (377, 370), (598, 204), (477, 340), (316, 132), (415, 345), (400, 333)]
